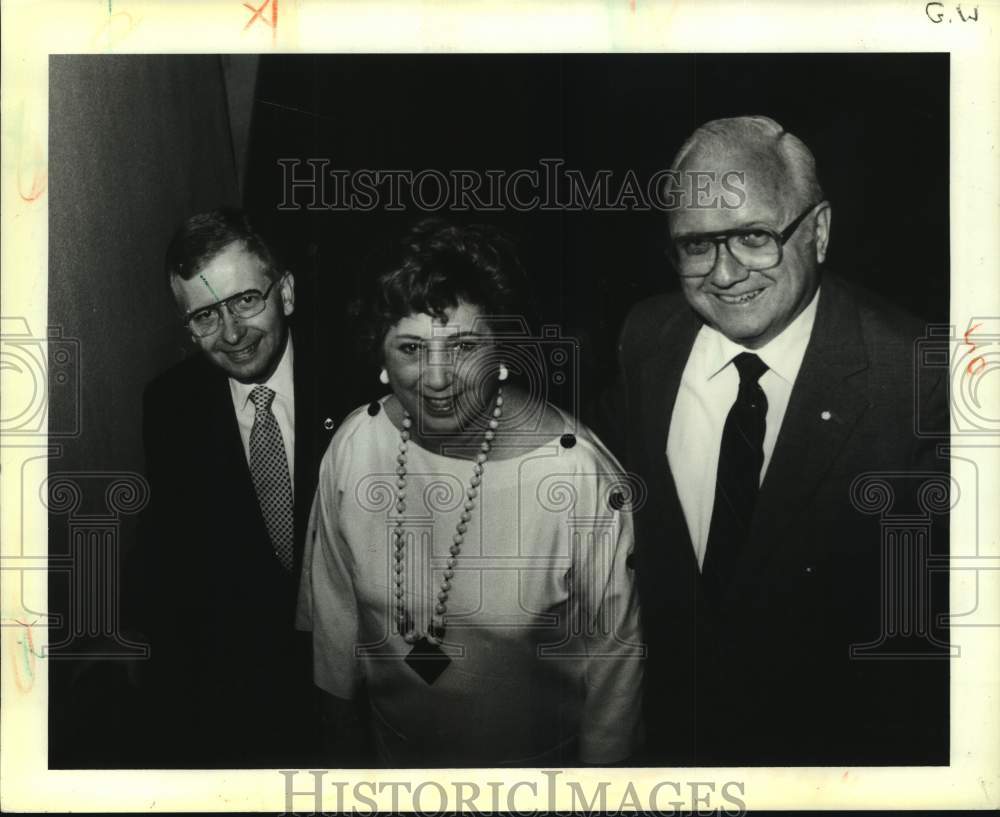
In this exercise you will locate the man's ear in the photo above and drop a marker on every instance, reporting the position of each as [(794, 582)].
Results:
[(823, 216), (287, 293)]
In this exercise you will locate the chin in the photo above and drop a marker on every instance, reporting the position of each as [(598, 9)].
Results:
[(251, 372), (742, 331), (743, 335), (431, 424)]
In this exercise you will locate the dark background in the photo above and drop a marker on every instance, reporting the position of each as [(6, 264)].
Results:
[(877, 124), (138, 143)]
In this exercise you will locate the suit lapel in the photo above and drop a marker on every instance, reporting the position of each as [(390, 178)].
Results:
[(827, 400), (660, 378), (224, 440)]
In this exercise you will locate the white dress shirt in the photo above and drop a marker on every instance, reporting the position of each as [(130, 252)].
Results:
[(707, 392), (283, 407)]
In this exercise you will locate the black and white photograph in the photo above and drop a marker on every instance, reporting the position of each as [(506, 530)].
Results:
[(421, 413)]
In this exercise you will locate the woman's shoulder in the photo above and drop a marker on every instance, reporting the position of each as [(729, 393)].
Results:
[(578, 438), (573, 470), (358, 430), (576, 447)]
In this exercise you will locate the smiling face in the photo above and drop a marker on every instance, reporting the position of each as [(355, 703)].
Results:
[(751, 307), (443, 372), (246, 349)]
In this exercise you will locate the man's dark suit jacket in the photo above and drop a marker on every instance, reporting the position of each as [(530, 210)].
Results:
[(231, 678), (762, 675)]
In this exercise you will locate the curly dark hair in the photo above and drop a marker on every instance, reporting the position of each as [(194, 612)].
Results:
[(435, 266)]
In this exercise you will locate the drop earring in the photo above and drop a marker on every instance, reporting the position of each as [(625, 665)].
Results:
[(383, 377), (504, 374)]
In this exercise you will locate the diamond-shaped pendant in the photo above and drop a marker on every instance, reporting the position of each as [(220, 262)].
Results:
[(427, 660)]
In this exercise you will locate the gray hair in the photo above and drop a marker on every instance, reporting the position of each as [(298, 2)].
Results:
[(763, 134)]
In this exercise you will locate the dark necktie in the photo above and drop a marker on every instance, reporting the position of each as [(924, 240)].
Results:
[(741, 456), (271, 480)]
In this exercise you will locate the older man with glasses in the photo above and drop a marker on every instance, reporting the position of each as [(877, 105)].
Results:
[(754, 404), (233, 436)]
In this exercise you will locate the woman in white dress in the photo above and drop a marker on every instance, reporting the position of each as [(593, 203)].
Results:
[(465, 573)]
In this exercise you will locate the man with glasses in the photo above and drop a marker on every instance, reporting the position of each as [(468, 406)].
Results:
[(232, 436), (749, 404)]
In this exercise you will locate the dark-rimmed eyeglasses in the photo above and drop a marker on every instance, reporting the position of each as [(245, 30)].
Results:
[(206, 320), (754, 248)]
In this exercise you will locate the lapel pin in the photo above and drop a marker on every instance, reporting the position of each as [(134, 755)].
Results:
[(825, 415)]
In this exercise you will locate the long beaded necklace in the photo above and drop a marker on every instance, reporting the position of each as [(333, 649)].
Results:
[(427, 658)]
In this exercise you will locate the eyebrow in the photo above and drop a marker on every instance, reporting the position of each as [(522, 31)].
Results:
[(750, 225), (455, 336)]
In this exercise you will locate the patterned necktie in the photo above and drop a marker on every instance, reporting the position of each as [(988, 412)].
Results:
[(269, 468), (741, 456)]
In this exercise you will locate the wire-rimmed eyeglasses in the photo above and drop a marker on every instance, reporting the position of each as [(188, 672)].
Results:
[(206, 320)]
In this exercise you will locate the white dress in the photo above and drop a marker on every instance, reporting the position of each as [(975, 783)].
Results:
[(542, 622)]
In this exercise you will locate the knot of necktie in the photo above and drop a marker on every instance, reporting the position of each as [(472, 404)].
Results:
[(262, 397), (750, 367)]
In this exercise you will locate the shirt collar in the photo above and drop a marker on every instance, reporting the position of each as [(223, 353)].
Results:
[(280, 381), (782, 355)]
